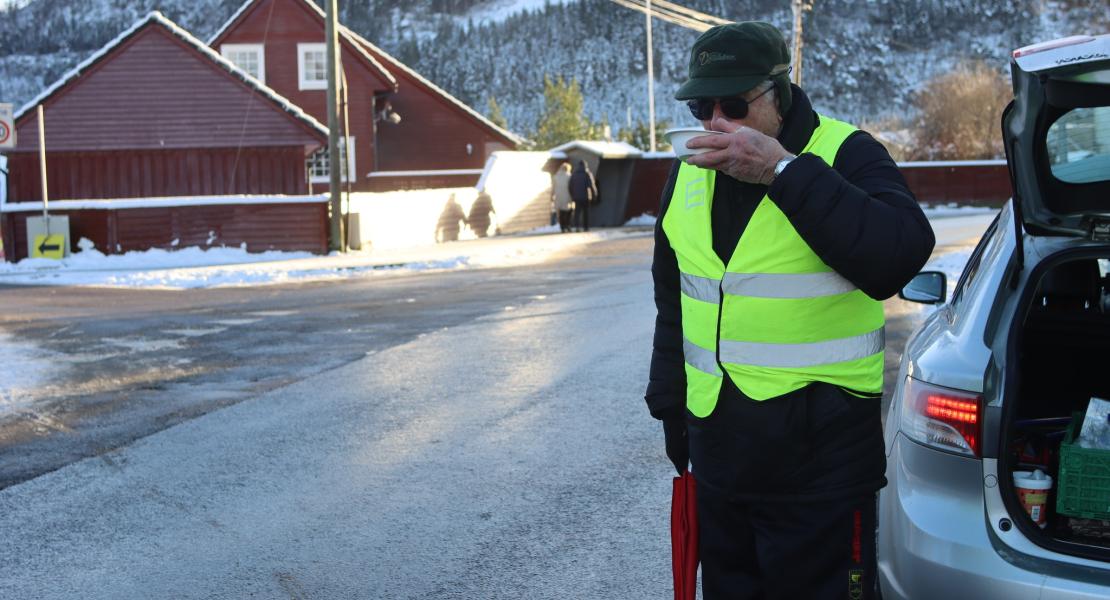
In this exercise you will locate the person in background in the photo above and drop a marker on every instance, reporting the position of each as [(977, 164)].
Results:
[(560, 195), (773, 253), (448, 226), (583, 190), (479, 218)]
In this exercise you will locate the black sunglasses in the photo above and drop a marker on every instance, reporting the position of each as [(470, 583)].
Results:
[(733, 108)]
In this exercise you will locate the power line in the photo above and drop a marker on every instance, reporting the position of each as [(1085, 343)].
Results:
[(664, 15), (690, 12), (675, 14)]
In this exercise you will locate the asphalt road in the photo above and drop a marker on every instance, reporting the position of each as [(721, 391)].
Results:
[(133, 362), (474, 434)]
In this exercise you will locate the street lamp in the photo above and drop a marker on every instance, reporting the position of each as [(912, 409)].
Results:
[(651, 81)]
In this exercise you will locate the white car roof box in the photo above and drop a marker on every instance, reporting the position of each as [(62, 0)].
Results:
[(1065, 52)]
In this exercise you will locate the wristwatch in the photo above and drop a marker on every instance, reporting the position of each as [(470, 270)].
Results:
[(779, 166)]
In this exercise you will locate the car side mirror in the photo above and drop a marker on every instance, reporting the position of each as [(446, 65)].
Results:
[(927, 287)]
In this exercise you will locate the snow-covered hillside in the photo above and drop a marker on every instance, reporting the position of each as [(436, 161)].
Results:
[(863, 58)]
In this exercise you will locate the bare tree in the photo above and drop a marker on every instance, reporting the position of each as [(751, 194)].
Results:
[(960, 114)]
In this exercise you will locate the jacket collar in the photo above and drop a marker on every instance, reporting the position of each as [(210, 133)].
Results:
[(799, 123)]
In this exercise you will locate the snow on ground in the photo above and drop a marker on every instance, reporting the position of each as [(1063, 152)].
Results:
[(194, 267), (953, 209), (499, 10), (23, 368), (644, 220), (952, 265)]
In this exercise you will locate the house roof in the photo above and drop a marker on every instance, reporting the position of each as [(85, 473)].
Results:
[(345, 34), (601, 149), (438, 90), (365, 48), (158, 19)]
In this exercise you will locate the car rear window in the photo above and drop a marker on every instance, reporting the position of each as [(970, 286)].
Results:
[(1078, 145)]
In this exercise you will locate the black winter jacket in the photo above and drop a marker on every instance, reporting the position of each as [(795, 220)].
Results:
[(861, 219), (583, 188)]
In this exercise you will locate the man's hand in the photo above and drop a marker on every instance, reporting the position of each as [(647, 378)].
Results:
[(743, 154), (678, 445)]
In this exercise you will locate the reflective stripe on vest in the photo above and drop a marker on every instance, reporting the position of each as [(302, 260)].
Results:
[(779, 316), (802, 355)]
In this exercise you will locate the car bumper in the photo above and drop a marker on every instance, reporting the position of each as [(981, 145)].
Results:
[(933, 537)]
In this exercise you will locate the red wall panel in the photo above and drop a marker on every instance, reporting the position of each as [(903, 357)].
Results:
[(288, 227), (156, 173)]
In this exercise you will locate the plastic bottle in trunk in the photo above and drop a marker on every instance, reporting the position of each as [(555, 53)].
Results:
[(1032, 489)]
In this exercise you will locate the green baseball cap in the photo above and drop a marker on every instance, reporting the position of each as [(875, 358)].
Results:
[(729, 60)]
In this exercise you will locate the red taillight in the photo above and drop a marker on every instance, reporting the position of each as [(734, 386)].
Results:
[(943, 418)]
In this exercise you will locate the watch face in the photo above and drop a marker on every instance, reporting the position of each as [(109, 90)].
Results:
[(781, 165)]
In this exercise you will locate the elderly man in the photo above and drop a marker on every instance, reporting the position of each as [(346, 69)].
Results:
[(775, 248)]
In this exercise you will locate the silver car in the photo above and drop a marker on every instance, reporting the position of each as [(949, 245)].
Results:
[(992, 381)]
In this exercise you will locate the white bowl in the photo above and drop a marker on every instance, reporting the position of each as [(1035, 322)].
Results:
[(678, 138)]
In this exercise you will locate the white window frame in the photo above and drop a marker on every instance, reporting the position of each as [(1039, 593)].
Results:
[(348, 146), (259, 51), (302, 52)]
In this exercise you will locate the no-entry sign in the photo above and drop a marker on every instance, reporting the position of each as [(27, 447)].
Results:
[(7, 127)]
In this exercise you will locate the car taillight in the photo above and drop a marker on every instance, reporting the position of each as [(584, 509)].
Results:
[(944, 418)]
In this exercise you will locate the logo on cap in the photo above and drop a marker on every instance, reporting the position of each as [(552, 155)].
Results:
[(705, 57)]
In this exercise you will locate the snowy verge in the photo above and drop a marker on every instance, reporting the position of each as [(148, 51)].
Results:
[(191, 268)]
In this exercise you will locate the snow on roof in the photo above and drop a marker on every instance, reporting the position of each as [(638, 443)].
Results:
[(602, 149), (185, 36), (161, 202), (343, 32)]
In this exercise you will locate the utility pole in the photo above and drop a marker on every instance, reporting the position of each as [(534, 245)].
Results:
[(651, 82), (335, 161), (799, 7)]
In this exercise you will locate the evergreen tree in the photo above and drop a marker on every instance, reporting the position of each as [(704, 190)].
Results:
[(562, 119), (494, 113), (640, 134)]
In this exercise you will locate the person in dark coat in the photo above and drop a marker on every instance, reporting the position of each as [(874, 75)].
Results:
[(479, 218), (583, 190), (782, 426), (450, 221)]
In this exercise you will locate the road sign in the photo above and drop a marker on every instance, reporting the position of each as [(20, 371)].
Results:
[(7, 127), (49, 246), (40, 230)]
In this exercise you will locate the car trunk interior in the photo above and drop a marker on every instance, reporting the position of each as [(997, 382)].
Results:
[(1062, 351)]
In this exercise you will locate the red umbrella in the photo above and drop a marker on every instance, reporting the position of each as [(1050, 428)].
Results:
[(684, 537)]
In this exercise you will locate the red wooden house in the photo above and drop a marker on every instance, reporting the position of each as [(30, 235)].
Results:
[(154, 114), (404, 132)]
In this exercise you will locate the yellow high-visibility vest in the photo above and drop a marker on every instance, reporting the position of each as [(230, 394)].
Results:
[(776, 318)]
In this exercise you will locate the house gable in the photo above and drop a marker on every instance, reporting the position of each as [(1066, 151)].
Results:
[(410, 76), (157, 87), (258, 19), (282, 24)]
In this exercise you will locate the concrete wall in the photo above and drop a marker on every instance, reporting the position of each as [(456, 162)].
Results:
[(517, 183)]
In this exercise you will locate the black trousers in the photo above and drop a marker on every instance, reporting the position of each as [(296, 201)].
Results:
[(564, 220), (582, 215), (786, 551)]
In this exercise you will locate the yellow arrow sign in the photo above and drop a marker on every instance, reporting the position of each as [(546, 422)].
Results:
[(49, 246)]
